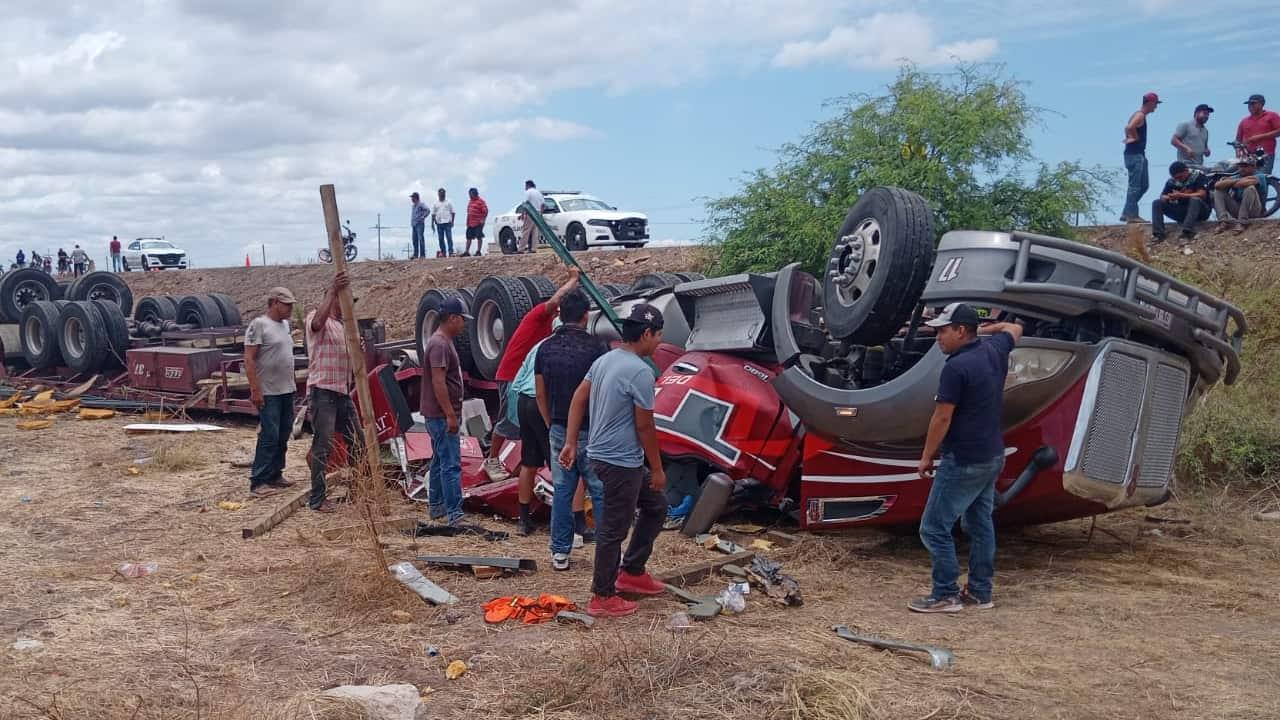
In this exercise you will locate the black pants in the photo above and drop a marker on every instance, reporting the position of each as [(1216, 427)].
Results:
[(625, 489), (330, 411), (275, 424), (1188, 212)]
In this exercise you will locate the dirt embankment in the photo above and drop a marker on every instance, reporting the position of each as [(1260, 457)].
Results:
[(390, 289)]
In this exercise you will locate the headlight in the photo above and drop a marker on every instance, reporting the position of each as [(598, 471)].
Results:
[(599, 223), (1027, 365)]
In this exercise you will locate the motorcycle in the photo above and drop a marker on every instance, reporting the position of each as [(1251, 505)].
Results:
[(348, 246), (1226, 168)]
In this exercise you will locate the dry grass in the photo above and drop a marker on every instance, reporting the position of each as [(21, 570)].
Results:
[(177, 455)]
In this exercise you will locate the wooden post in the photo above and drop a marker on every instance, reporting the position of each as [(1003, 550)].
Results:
[(329, 201)]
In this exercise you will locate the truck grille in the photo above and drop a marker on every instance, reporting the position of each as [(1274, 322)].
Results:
[(1109, 443), (1167, 400)]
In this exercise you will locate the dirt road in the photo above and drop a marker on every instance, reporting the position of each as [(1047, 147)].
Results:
[(390, 289), (1132, 619)]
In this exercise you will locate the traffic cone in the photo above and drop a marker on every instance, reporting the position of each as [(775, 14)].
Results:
[(246, 259)]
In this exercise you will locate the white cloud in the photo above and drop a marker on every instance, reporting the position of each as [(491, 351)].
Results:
[(884, 40)]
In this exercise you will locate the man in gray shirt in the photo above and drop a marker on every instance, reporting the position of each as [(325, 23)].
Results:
[(1192, 137), (268, 364), (620, 389)]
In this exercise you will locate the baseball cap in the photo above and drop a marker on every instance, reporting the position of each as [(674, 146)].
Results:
[(1151, 97), (955, 314), (1203, 106), (453, 306), (645, 314), (1256, 98), (413, 195), (281, 294)]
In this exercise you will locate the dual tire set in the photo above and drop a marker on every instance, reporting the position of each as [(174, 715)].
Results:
[(498, 304)]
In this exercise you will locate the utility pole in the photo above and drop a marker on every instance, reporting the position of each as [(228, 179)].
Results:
[(380, 227)]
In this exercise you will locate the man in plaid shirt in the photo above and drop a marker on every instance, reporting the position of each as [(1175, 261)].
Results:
[(329, 389)]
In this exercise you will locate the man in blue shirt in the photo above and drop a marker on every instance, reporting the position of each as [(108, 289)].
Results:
[(1237, 198), (966, 428), (620, 389)]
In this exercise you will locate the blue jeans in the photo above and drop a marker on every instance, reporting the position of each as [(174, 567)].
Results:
[(444, 482), (115, 262), (965, 493), (444, 235), (566, 484), (275, 423), (419, 240), (1139, 182)]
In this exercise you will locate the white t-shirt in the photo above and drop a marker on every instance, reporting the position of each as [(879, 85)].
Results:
[(443, 212), (534, 198)]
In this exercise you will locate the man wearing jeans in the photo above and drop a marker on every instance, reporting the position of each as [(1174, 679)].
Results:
[(1135, 157), (560, 366), (442, 218), (418, 221), (1184, 199), (966, 427), (620, 389), (441, 406), (115, 253), (268, 364), (329, 390)]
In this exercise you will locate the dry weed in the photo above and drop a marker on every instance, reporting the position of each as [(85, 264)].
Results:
[(178, 455), (826, 696)]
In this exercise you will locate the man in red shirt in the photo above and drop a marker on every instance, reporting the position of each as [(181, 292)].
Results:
[(115, 254), (533, 329), (477, 213), (1259, 130)]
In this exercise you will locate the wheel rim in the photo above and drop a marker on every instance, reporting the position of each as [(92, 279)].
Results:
[(859, 255), (29, 291), (489, 330), (73, 337), (103, 291), (33, 337), (430, 319)]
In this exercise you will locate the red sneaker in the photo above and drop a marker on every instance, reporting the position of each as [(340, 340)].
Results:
[(612, 606), (642, 584)]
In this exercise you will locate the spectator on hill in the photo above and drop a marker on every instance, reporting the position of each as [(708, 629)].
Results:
[(78, 259), (48, 266), (1184, 198), (1135, 157), (477, 214), (64, 265), (1191, 137), (1237, 198), (442, 220), (20, 259), (528, 231), (115, 254), (418, 222), (1258, 131)]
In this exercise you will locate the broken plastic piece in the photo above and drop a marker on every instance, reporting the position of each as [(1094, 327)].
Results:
[(409, 575), (732, 600), (137, 570), (679, 622)]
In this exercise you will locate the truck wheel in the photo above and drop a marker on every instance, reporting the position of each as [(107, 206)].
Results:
[(230, 310), (540, 289), (63, 287), (575, 237), (82, 338), (199, 310), (20, 288), (654, 280), (102, 285), (429, 318), (617, 288), (878, 266), (39, 334), (156, 309), (501, 303), (691, 276), (117, 332), (507, 241)]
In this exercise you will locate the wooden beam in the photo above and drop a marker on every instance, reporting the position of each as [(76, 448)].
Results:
[(353, 530), (695, 573), (263, 526), (329, 201)]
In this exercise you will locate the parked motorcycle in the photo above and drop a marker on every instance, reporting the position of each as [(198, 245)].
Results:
[(1226, 168), (348, 245)]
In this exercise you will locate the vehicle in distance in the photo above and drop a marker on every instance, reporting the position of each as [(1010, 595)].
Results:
[(584, 221), (151, 253)]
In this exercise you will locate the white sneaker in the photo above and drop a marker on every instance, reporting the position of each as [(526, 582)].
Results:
[(493, 468), (577, 541), (559, 561)]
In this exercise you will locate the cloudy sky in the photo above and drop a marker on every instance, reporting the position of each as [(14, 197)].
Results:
[(214, 123)]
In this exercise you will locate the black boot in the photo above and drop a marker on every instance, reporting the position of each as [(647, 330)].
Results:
[(526, 525)]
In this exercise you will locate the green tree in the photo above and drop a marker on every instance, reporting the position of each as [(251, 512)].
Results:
[(958, 139)]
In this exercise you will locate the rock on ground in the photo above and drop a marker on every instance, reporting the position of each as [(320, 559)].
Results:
[(382, 702)]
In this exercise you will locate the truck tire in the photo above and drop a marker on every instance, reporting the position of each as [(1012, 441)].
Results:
[(63, 287), (878, 266), (19, 288), (230, 310), (501, 303), (199, 310), (507, 241), (616, 288), (428, 320), (655, 280), (691, 276), (117, 335), (39, 334), (102, 285), (156, 309), (540, 289), (82, 337)]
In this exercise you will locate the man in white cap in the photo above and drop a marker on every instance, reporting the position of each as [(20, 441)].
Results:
[(966, 428), (268, 364)]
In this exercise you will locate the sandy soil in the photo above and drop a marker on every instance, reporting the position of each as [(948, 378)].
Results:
[(1135, 619)]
